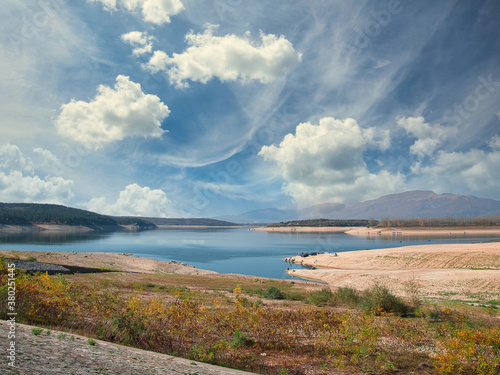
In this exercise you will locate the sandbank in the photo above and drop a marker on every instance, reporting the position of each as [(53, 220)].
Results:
[(456, 271), (120, 262), (306, 229), (393, 231), (415, 231)]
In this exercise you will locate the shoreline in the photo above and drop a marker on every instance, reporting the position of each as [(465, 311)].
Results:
[(107, 262), (38, 228), (463, 271), (415, 231), (392, 231), (306, 229)]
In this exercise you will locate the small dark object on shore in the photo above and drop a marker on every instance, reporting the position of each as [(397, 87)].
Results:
[(305, 255)]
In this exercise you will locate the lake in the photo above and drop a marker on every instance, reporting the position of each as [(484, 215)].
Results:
[(240, 251)]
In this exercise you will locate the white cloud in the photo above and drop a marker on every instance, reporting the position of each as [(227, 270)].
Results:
[(429, 138), (12, 158), (324, 163), (153, 11), (47, 161), (495, 142), (15, 187), (115, 113), (229, 58), (476, 169), (141, 41), (134, 201)]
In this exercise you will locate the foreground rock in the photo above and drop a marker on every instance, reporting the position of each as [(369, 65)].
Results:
[(61, 353)]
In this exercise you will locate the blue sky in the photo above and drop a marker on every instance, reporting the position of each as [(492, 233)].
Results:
[(205, 108)]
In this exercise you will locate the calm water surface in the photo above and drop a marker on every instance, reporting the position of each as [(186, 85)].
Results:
[(240, 251)]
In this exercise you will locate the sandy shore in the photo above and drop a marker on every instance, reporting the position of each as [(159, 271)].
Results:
[(108, 261), (307, 229), (451, 271), (454, 231), (363, 231)]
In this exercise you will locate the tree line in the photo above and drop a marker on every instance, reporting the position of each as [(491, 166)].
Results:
[(322, 223), (423, 222)]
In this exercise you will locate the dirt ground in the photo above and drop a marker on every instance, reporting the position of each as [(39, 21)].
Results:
[(108, 261), (450, 271)]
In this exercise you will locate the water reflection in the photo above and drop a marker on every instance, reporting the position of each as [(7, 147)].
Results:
[(50, 237)]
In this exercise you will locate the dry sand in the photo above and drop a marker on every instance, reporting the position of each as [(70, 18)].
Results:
[(108, 261), (364, 231), (454, 231), (306, 229), (449, 271)]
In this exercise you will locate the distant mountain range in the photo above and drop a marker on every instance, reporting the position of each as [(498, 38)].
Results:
[(418, 203)]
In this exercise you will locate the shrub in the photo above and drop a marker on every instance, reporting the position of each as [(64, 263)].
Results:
[(378, 299), (321, 297), (347, 296), (274, 293)]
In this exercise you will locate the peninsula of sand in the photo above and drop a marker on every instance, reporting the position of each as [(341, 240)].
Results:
[(410, 231), (468, 272)]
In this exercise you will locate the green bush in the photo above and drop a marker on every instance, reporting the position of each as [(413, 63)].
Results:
[(346, 296), (379, 299), (273, 293), (321, 297)]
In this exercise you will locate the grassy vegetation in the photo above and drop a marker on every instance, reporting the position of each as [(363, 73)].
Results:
[(269, 327)]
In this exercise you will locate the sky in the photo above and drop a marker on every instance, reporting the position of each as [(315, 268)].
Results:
[(201, 108)]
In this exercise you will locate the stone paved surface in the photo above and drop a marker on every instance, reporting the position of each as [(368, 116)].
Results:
[(59, 353)]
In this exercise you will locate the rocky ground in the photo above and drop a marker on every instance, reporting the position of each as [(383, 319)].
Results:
[(61, 353)]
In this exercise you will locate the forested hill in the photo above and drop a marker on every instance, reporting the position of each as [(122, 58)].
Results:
[(189, 222), (36, 213)]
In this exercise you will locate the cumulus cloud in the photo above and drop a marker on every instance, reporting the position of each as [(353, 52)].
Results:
[(229, 58), (429, 138), (114, 113), (140, 41), (324, 163), (153, 11), (15, 187), (476, 169), (134, 201), (12, 158)]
